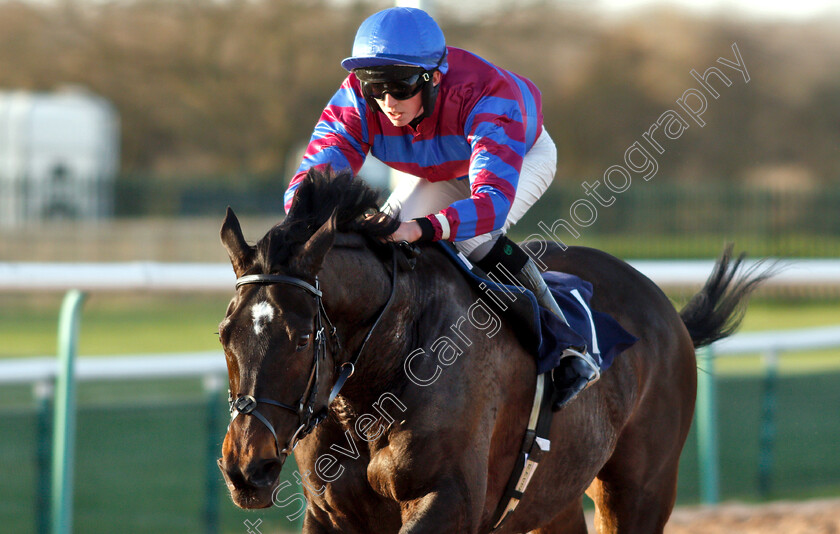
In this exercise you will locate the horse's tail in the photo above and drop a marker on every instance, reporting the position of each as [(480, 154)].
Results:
[(718, 309)]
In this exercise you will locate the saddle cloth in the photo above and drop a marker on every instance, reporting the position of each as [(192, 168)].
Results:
[(541, 332)]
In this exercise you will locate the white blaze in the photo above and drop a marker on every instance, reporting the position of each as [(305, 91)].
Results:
[(262, 313)]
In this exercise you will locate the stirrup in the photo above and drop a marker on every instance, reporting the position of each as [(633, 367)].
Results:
[(567, 388), (587, 358)]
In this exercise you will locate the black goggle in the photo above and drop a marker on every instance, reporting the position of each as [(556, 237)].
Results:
[(399, 89)]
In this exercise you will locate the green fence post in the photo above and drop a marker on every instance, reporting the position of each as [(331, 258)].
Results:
[(707, 432), (212, 386), (42, 392), (768, 424), (64, 423)]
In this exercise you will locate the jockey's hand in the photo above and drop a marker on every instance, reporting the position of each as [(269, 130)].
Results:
[(408, 231)]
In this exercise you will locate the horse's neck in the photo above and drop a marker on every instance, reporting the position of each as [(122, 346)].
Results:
[(364, 285), (356, 288)]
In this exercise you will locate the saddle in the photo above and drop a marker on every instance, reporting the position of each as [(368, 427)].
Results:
[(538, 330)]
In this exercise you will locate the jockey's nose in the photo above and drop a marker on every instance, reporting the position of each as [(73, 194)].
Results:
[(389, 101)]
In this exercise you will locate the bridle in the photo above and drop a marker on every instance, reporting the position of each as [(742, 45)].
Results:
[(307, 417)]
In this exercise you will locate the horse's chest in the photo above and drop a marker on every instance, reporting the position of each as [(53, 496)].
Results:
[(353, 500)]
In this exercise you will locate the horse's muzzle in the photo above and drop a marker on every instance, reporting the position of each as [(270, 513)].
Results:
[(251, 485)]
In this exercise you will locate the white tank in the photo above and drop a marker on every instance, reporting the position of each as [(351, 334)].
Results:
[(59, 155)]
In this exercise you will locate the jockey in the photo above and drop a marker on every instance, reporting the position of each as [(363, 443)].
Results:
[(469, 134)]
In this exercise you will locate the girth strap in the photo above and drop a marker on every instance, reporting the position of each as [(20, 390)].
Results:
[(534, 446)]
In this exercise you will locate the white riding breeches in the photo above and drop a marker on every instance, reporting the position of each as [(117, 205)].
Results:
[(416, 197)]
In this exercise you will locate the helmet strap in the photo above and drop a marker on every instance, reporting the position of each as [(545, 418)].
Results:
[(430, 92)]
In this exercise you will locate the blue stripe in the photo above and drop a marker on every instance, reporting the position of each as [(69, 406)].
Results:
[(496, 165), (530, 112), (466, 212), (502, 207), (427, 153), (346, 97), (326, 129), (497, 133), (331, 154), (496, 106), (444, 148), (393, 148)]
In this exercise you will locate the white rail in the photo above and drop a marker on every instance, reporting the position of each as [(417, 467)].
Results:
[(146, 276), (789, 272), (779, 341), (198, 364), (150, 276), (133, 367)]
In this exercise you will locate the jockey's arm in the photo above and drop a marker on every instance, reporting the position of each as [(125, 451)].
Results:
[(494, 175), (340, 139)]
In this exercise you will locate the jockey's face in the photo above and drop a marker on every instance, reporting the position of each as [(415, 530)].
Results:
[(402, 112)]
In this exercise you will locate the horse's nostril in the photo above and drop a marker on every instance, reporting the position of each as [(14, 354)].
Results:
[(263, 473)]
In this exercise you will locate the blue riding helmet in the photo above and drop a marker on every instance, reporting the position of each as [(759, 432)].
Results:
[(403, 36), (399, 36)]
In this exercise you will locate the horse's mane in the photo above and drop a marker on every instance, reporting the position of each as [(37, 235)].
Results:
[(321, 195)]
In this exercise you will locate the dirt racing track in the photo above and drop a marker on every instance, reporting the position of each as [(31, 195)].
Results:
[(811, 517)]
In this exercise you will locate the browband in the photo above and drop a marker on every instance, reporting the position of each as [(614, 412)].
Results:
[(276, 279)]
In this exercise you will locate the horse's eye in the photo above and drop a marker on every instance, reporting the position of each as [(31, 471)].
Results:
[(303, 341)]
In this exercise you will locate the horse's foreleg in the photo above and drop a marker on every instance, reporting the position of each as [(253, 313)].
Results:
[(569, 521), (441, 511), (312, 526)]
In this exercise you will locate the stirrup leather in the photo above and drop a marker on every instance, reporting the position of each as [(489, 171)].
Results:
[(530, 278)]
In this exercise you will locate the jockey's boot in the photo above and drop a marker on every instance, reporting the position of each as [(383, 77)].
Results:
[(577, 369)]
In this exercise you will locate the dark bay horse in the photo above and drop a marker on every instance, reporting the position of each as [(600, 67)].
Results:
[(424, 441)]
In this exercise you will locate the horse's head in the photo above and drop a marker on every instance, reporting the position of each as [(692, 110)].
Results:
[(276, 352), (277, 337)]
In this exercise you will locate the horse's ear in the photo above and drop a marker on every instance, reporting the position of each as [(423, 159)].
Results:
[(315, 250), (241, 254)]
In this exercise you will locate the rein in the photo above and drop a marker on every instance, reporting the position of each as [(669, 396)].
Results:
[(307, 417)]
